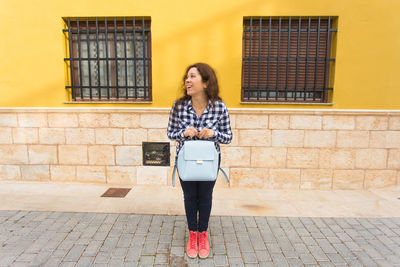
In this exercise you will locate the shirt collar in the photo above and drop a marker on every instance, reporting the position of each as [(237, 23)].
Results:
[(208, 107)]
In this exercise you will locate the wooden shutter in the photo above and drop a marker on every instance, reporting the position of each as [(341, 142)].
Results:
[(286, 59)]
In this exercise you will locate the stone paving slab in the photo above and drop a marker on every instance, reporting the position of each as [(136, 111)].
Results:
[(30, 238)]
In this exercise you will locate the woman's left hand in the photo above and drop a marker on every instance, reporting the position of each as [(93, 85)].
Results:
[(206, 133)]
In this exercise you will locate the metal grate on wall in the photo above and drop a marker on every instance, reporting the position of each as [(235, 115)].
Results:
[(109, 59), (287, 59), (156, 153)]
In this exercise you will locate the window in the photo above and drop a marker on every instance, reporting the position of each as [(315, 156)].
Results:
[(287, 59), (109, 59)]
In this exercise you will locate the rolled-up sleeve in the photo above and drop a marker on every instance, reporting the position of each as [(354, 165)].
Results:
[(223, 133), (174, 132)]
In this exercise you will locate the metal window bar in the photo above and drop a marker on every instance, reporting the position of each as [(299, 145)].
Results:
[(122, 30), (327, 55), (258, 64), (294, 78), (287, 61), (144, 60), (97, 59), (88, 51), (316, 58), (126, 61), (79, 55), (107, 59), (116, 56), (277, 64), (249, 65), (70, 55)]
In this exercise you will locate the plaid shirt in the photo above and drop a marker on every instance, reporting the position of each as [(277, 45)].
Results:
[(214, 117)]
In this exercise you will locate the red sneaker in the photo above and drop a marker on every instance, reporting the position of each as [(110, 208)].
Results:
[(204, 246), (191, 247)]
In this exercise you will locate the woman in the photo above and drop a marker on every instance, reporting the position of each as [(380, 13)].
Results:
[(199, 114)]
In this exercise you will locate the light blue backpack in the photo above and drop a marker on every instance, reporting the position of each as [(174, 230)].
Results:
[(197, 161)]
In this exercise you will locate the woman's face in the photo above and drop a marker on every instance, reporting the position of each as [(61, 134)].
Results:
[(194, 83)]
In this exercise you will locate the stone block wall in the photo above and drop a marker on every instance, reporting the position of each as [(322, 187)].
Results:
[(271, 148)]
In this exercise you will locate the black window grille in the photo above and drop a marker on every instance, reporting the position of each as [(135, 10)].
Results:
[(287, 59), (109, 59)]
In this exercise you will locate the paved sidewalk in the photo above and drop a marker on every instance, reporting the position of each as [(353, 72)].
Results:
[(30, 238)]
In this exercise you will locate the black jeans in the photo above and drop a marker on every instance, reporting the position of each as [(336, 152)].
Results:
[(198, 198)]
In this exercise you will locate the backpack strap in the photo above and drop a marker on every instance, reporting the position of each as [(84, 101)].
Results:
[(173, 175)]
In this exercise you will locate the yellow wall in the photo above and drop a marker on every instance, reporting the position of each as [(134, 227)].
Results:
[(32, 70)]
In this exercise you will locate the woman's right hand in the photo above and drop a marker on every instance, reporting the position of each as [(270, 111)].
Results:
[(190, 132)]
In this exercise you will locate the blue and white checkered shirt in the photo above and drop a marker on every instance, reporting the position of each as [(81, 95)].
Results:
[(214, 117)]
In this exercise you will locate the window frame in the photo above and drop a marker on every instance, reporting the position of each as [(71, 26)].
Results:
[(109, 27), (256, 85)]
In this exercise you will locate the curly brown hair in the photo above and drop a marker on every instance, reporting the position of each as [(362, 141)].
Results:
[(208, 76)]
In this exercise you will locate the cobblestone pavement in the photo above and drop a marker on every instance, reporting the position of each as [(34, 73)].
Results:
[(100, 239)]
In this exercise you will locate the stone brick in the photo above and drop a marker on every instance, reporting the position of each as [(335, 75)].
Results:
[(255, 137), (377, 139), (235, 156), (358, 139), (337, 158), (135, 136), (221, 181), (268, 157), (63, 120), (63, 173), (248, 177), (348, 179), (232, 120), (338, 122), (371, 158), (8, 120), (235, 138), (13, 154), (72, 154), (80, 136), (393, 139), (101, 155), (302, 158), (154, 121), (109, 136), (5, 136), (371, 122), (394, 159), (380, 178), (124, 120), (91, 174), (35, 172), (157, 135), (394, 123), (149, 175), (320, 139), (251, 121), (306, 122), (121, 175), (52, 136), (25, 135), (10, 172), (288, 138), (316, 179), (42, 154), (129, 155), (279, 122), (93, 120), (385, 139), (284, 179), (32, 119)]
